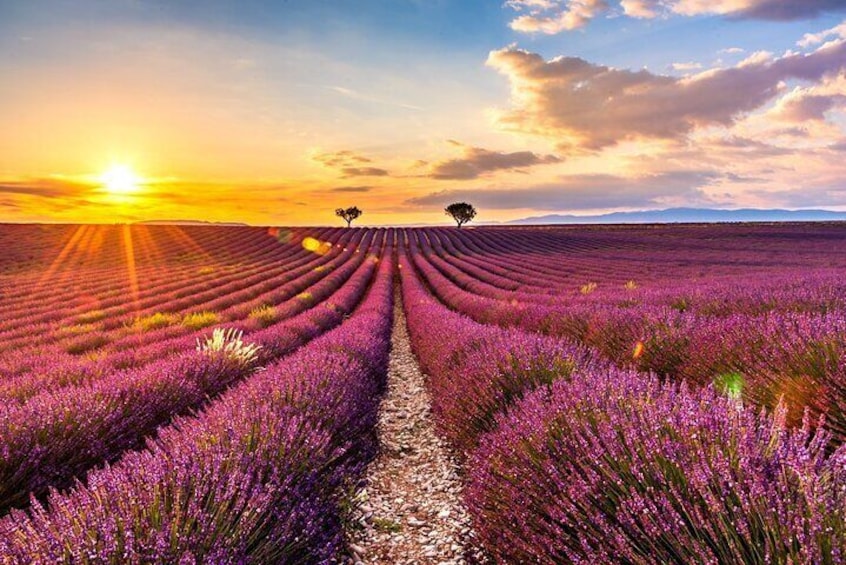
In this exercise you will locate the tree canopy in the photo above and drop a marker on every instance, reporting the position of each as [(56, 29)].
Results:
[(461, 212), (349, 214)]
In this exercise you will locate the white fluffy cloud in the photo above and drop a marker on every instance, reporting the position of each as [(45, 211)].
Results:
[(585, 106), (552, 17), (555, 16), (810, 39)]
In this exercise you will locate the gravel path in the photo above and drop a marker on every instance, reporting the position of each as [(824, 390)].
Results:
[(410, 511)]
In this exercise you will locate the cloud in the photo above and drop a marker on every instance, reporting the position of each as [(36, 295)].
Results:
[(810, 39), (344, 158), (641, 8), (585, 106), (46, 188), (756, 58), (807, 106), (748, 148), (555, 16), (355, 95), (585, 192), (349, 164), (351, 189), (774, 10), (476, 161), (824, 195), (10, 204), (690, 66), (364, 172), (804, 107), (532, 4)]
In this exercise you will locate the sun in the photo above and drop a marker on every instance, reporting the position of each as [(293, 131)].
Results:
[(120, 179)]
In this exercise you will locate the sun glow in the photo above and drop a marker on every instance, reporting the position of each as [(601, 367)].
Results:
[(120, 179)]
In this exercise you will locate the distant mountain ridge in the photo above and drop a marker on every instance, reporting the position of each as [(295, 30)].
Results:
[(688, 215)]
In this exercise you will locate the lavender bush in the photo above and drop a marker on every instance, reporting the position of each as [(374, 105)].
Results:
[(257, 477), (614, 467)]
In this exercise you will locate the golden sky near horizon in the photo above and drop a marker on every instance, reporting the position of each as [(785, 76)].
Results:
[(271, 113)]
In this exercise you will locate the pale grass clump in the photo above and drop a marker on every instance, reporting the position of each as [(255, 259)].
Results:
[(630, 285), (154, 321), (77, 329), (588, 288), (90, 317), (230, 344), (197, 320), (265, 315)]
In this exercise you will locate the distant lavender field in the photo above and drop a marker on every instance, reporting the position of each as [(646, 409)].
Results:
[(619, 394)]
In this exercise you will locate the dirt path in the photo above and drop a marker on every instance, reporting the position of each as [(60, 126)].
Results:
[(411, 509)]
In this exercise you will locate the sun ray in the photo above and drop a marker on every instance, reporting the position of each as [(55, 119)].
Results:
[(132, 273), (148, 250), (179, 234), (83, 249), (96, 242), (70, 246)]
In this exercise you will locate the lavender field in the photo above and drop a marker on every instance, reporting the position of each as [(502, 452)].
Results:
[(619, 394)]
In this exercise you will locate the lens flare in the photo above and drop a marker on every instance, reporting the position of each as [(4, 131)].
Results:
[(730, 384), (316, 246), (311, 244), (281, 235)]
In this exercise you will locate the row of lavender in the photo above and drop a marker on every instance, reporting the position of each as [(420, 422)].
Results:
[(35, 319), (617, 254), (783, 353), (64, 274), (560, 276), (572, 459), (258, 476), (58, 423), (31, 369), (277, 298)]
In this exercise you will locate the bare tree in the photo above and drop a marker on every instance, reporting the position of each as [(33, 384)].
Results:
[(349, 214), (461, 212)]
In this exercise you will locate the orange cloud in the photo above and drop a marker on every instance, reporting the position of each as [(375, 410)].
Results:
[(349, 164)]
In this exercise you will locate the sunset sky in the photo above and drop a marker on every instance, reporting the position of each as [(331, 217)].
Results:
[(278, 112)]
